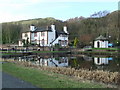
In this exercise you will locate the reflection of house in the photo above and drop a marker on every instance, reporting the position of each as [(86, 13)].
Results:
[(61, 62), (101, 42), (25, 58), (101, 60), (45, 36), (58, 62)]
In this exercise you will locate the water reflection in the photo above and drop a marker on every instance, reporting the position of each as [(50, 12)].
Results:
[(96, 62), (42, 61), (101, 60), (82, 61)]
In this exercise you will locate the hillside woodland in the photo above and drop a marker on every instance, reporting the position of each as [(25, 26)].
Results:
[(84, 29)]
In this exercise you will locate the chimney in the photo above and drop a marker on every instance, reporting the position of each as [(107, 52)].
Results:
[(32, 27), (65, 29), (53, 27)]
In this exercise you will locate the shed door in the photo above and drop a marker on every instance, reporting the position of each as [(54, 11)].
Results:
[(98, 44)]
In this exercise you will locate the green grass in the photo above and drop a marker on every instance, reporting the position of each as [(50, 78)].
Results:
[(10, 53), (106, 48), (49, 51), (0, 65), (111, 52), (45, 79), (97, 52)]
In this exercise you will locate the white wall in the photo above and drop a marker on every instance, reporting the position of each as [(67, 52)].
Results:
[(51, 36), (20, 43), (102, 44), (61, 38), (28, 35), (43, 37)]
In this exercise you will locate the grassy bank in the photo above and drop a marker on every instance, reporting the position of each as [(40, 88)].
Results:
[(11, 53), (33, 52), (49, 51), (98, 52), (44, 79), (106, 48)]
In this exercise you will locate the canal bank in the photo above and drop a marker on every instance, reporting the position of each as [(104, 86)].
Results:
[(46, 79), (73, 52), (13, 54), (69, 60)]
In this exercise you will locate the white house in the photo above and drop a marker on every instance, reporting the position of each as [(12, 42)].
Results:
[(45, 36), (101, 42)]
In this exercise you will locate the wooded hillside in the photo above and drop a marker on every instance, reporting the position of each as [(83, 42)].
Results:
[(85, 29)]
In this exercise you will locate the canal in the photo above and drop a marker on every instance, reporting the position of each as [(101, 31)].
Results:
[(99, 62)]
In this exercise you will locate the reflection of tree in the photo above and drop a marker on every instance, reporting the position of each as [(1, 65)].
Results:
[(80, 63), (74, 63), (113, 65)]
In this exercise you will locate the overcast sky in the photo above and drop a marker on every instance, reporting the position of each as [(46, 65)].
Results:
[(14, 10)]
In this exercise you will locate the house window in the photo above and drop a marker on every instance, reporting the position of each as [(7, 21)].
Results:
[(65, 42), (35, 40), (43, 42), (42, 33), (25, 35), (35, 34), (61, 35), (59, 42), (62, 42)]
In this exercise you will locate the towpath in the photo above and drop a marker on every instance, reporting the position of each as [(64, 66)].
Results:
[(9, 81)]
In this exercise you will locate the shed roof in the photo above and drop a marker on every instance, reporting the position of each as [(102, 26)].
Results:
[(101, 38)]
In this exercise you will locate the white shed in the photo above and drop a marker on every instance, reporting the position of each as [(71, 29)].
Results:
[(101, 42)]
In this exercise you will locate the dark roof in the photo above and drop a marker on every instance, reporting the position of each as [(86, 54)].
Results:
[(101, 38), (47, 28), (28, 31), (32, 25), (41, 29), (61, 32)]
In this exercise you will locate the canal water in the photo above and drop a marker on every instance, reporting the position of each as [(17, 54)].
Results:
[(109, 63)]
